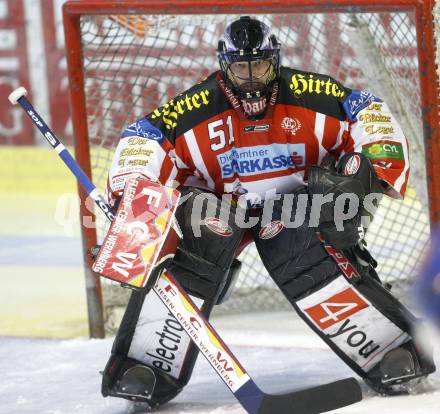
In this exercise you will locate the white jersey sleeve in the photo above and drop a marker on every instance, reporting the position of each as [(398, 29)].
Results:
[(143, 151), (375, 132)]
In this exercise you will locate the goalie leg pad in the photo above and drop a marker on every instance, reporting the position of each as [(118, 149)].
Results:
[(293, 256), (149, 335), (359, 320)]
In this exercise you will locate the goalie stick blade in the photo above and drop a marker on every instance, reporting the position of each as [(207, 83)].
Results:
[(318, 399), (314, 400)]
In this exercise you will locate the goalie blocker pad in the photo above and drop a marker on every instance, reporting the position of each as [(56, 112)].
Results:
[(149, 335), (139, 238), (340, 299)]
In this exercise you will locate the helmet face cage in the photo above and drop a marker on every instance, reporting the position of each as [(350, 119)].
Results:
[(247, 40)]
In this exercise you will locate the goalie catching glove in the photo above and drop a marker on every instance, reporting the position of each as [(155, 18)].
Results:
[(338, 194)]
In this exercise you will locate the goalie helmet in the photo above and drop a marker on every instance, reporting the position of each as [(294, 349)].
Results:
[(249, 58)]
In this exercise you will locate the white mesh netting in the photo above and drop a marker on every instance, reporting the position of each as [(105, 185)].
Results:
[(134, 64)]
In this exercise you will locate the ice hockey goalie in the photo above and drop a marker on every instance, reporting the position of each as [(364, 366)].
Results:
[(278, 137)]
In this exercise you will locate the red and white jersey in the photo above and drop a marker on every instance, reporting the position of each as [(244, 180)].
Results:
[(202, 138)]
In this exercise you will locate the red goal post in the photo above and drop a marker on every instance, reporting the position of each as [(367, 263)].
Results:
[(396, 40)]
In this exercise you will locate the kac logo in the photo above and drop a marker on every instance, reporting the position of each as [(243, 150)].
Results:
[(291, 125)]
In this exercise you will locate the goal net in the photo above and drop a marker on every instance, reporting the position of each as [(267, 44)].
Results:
[(126, 61)]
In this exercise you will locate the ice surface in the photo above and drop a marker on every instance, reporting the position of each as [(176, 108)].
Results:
[(62, 376)]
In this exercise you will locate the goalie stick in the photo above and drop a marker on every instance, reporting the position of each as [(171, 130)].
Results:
[(307, 401)]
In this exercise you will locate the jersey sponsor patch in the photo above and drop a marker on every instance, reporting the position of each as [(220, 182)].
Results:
[(171, 112), (310, 84), (384, 150), (143, 128), (248, 161), (256, 128), (347, 319), (357, 101)]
